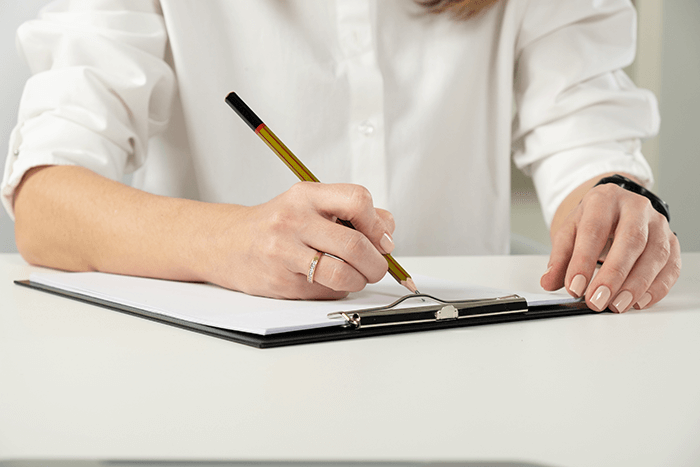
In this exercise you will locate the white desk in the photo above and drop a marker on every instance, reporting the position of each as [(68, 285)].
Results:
[(78, 381)]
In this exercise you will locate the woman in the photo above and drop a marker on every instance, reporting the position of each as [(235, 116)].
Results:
[(414, 108)]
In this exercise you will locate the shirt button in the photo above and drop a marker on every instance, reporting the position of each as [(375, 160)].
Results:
[(356, 41), (366, 128)]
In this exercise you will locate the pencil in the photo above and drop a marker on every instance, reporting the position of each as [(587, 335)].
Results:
[(304, 174)]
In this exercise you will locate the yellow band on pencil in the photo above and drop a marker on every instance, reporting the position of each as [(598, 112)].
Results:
[(285, 154)]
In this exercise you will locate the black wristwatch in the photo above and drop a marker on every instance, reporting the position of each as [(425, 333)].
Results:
[(624, 182)]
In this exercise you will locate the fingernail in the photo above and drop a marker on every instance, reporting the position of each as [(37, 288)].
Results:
[(386, 243), (578, 285), (545, 274), (644, 301), (600, 297), (622, 301)]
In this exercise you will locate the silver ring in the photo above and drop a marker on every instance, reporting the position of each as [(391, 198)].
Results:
[(312, 267)]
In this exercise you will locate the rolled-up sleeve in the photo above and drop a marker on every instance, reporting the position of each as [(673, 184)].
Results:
[(578, 115), (99, 90)]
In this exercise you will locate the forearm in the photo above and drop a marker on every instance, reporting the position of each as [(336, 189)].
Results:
[(70, 218)]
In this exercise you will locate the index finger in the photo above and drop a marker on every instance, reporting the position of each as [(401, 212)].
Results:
[(592, 233), (353, 207)]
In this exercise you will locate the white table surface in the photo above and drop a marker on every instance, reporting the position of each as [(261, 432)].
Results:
[(82, 382)]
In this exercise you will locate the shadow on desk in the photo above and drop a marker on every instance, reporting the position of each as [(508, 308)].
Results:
[(108, 463)]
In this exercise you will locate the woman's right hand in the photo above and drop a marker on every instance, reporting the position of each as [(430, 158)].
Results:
[(70, 218), (267, 249)]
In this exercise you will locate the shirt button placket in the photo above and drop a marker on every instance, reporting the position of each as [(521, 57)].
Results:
[(366, 113)]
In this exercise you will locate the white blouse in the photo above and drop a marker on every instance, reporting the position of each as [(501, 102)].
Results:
[(423, 110)]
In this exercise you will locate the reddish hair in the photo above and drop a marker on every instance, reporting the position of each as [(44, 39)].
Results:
[(458, 9)]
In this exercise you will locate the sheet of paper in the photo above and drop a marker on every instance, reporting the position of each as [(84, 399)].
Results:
[(215, 306)]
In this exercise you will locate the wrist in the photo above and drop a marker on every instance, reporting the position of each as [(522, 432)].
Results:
[(215, 241)]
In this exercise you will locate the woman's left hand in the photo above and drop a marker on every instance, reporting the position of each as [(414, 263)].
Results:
[(641, 254)]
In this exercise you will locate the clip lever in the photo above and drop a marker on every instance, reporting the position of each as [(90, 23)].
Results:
[(443, 311)]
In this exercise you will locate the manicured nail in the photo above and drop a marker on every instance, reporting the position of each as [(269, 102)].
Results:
[(622, 301), (545, 274), (644, 301), (386, 243), (601, 297), (578, 285)]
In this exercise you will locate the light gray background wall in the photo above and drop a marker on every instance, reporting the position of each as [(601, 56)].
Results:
[(13, 74), (677, 164), (679, 141)]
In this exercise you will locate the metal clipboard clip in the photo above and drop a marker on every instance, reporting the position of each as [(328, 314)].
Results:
[(444, 310)]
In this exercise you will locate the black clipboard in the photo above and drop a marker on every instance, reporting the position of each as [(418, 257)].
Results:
[(360, 323)]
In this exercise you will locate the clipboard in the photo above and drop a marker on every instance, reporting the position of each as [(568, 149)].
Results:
[(410, 313)]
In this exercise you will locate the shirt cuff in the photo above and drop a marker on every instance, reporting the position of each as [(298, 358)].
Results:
[(556, 176), (15, 169)]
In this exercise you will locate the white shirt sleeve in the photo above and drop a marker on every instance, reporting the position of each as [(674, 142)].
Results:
[(98, 79), (578, 114)]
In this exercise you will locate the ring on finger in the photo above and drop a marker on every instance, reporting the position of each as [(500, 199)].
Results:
[(312, 267)]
